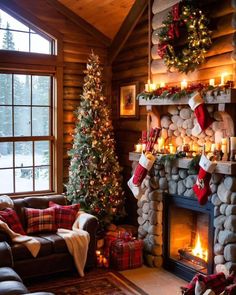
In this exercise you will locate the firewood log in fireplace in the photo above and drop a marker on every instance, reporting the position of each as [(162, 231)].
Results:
[(185, 254)]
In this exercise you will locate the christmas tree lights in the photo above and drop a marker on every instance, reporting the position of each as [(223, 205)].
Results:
[(94, 172)]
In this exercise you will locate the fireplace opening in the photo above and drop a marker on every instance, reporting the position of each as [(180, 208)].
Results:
[(188, 236)]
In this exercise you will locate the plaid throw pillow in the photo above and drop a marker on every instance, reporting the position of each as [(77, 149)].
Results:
[(65, 215), (40, 220), (10, 217)]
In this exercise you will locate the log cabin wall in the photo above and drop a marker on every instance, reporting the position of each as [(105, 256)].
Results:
[(131, 65), (76, 45), (219, 56)]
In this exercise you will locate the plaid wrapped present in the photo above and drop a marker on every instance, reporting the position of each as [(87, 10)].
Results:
[(126, 254)]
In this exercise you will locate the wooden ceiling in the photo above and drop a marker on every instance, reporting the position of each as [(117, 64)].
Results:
[(106, 16)]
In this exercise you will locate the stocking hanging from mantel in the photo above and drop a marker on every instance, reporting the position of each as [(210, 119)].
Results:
[(202, 187), (198, 105), (146, 162)]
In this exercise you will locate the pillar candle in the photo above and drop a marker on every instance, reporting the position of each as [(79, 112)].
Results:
[(172, 148), (183, 84), (232, 143), (212, 82), (213, 147), (232, 148), (138, 148), (224, 148), (162, 84), (161, 142), (222, 78)]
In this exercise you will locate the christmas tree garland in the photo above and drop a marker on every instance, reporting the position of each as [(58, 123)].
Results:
[(188, 57)]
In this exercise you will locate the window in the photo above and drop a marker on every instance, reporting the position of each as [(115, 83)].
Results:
[(14, 35), (25, 133), (30, 132)]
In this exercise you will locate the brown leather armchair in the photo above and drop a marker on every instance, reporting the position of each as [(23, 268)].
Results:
[(53, 255)]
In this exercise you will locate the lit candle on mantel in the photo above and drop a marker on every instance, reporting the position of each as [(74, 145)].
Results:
[(162, 84), (138, 148), (149, 87), (212, 82), (161, 142), (232, 148), (222, 78), (172, 148), (224, 148), (183, 84)]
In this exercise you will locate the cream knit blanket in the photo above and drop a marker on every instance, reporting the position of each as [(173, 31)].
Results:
[(31, 243), (77, 241)]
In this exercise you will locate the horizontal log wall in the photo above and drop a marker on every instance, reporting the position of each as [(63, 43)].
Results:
[(131, 65), (218, 58), (76, 46)]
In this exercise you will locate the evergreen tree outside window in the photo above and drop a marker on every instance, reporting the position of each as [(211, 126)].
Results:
[(27, 137), (16, 36)]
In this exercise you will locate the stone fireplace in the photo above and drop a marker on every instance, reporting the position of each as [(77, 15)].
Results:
[(167, 193)]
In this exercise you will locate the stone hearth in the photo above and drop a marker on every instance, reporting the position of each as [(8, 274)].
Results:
[(177, 180)]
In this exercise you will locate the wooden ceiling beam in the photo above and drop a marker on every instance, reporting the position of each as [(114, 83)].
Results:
[(126, 28), (80, 22)]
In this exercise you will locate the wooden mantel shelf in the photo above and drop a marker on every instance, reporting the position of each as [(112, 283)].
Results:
[(229, 97), (223, 167)]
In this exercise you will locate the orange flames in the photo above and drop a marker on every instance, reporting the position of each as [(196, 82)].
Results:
[(199, 251)]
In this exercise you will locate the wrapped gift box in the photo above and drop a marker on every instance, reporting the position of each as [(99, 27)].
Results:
[(126, 254)]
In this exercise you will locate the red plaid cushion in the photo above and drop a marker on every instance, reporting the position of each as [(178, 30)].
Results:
[(215, 282), (10, 217), (40, 220), (65, 215)]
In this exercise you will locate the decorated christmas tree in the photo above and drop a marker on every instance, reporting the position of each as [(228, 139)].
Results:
[(94, 173)]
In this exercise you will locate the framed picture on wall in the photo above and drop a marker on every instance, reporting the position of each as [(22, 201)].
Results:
[(128, 104)]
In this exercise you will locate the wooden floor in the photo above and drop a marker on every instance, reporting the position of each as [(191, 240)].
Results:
[(155, 281)]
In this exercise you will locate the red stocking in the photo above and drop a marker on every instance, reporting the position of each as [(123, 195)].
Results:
[(202, 187), (145, 164), (198, 106)]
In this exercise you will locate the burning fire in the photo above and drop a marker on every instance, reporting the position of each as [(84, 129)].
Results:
[(199, 251)]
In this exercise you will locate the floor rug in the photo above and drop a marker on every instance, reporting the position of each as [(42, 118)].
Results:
[(96, 283)]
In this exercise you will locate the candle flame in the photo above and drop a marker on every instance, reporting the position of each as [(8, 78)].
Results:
[(199, 251)]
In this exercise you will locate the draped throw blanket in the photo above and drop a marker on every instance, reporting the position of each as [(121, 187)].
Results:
[(77, 241), (31, 243)]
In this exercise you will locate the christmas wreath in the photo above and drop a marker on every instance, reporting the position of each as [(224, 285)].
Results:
[(184, 18)]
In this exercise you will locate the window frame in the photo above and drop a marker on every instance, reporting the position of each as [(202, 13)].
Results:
[(41, 64)]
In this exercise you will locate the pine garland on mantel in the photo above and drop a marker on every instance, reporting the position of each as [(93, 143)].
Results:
[(176, 93)]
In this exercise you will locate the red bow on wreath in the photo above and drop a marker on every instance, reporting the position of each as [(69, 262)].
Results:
[(174, 27), (161, 49), (173, 31), (175, 12)]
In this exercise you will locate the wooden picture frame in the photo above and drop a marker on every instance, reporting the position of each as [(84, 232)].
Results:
[(128, 104)]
